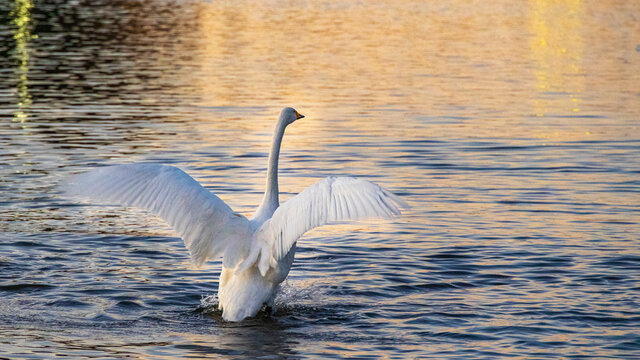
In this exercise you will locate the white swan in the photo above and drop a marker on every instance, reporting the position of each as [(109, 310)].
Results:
[(258, 252)]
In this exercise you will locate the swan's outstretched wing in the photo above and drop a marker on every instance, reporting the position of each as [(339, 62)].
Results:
[(208, 226), (333, 199)]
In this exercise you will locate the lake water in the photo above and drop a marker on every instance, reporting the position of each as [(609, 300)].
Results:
[(511, 128)]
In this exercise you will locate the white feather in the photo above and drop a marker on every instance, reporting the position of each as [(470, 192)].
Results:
[(331, 200), (207, 224)]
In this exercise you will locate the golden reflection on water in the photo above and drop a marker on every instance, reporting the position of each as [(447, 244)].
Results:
[(557, 45), (21, 18), (509, 66)]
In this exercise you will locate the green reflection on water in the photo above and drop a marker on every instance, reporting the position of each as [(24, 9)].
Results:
[(21, 15)]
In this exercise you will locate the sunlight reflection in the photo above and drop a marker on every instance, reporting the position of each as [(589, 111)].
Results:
[(557, 47), (21, 15)]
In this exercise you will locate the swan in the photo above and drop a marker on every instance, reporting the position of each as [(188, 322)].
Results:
[(257, 253)]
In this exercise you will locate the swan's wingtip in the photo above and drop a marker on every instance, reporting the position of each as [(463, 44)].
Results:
[(402, 203), (399, 202)]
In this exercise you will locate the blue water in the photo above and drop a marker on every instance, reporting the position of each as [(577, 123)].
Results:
[(512, 130)]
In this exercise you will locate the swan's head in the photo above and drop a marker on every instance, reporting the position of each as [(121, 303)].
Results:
[(289, 115)]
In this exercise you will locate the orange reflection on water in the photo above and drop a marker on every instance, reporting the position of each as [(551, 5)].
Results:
[(355, 62), (557, 46)]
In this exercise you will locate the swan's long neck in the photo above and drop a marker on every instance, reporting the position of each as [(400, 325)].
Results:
[(271, 196)]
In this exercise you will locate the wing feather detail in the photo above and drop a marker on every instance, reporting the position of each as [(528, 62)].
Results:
[(334, 199), (208, 226)]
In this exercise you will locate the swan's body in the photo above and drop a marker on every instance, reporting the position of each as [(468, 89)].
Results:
[(258, 252)]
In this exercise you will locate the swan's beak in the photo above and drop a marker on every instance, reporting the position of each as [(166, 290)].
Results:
[(299, 116)]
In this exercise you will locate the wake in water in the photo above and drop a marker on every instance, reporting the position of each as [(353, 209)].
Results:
[(290, 297)]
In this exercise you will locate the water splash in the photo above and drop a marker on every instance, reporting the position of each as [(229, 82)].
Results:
[(209, 304), (303, 294)]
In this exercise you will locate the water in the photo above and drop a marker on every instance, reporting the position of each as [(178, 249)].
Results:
[(512, 129)]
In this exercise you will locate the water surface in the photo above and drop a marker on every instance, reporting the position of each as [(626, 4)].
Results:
[(510, 128)]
